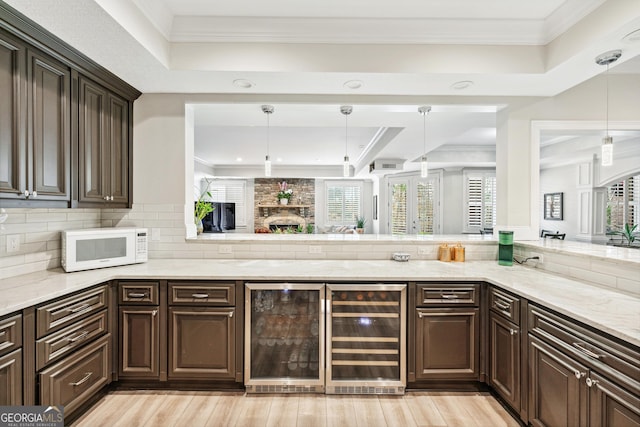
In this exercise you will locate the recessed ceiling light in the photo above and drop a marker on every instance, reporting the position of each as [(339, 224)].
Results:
[(353, 84), (279, 159), (632, 37), (243, 83), (462, 84), (238, 159)]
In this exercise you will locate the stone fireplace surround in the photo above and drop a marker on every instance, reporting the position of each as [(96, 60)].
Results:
[(270, 215)]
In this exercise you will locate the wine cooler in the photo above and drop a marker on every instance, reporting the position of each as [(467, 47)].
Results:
[(284, 337), (366, 339)]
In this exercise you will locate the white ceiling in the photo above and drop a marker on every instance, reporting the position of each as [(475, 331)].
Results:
[(298, 56)]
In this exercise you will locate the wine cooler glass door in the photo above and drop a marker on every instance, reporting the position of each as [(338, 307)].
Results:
[(366, 342), (284, 337)]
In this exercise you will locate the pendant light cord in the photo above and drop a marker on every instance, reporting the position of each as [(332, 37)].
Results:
[(268, 135), (346, 134), (607, 96), (424, 133)]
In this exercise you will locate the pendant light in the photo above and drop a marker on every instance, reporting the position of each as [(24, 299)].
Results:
[(607, 142), (346, 168), (424, 166), (268, 110)]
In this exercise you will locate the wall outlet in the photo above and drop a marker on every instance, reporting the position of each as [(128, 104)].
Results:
[(225, 249), (155, 234), (13, 243), (315, 249), (540, 259), (422, 250)]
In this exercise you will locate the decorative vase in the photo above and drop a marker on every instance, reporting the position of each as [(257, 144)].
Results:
[(360, 230), (199, 226), (284, 201)]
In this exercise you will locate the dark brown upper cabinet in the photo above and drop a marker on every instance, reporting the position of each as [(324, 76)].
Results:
[(103, 146), (35, 136), (66, 123), (13, 116)]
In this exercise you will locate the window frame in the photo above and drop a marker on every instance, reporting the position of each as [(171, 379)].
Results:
[(482, 175), (342, 183)]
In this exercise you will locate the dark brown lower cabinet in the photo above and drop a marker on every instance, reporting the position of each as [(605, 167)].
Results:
[(504, 348), (202, 342), (610, 405), (557, 389), (139, 342), (76, 378), (11, 378), (447, 343)]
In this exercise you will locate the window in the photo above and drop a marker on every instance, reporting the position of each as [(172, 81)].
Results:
[(480, 201), (343, 201), (623, 203), (230, 191)]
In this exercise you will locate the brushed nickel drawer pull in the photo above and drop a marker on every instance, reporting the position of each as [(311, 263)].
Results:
[(449, 296), (79, 337), (590, 382), (501, 306), (579, 374), (512, 331), (586, 351), (83, 380), (231, 314), (200, 296), (136, 295), (83, 307), (154, 312)]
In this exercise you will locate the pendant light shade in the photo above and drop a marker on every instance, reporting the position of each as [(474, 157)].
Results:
[(268, 110), (346, 167), (424, 166), (607, 142)]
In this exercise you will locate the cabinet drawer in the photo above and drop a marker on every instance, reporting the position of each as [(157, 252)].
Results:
[(589, 347), (505, 305), (202, 293), (138, 293), (63, 342), (10, 333), (57, 315), (76, 378), (447, 294)]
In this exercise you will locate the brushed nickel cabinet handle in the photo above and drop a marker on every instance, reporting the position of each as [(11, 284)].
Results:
[(586, 351), (579, 374), (590, 382), (420, 314), (501, 306), (79, 337), (83, 380), (154, 312), (200, 296), (512, 331), (83, 307), (136, 295), (231, 314), (449, 296)]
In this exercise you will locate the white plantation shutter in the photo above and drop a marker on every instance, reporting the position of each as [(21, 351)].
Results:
[(399, 208), (344, 202), (480, 197), (231, 191), (623, 203), (425, 207)]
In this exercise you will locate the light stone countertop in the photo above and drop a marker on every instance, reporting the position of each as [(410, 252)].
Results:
[(609, 311)]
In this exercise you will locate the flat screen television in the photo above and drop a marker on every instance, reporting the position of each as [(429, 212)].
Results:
[(223, 218)]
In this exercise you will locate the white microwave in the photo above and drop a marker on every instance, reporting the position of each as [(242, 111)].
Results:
[(103, 247)]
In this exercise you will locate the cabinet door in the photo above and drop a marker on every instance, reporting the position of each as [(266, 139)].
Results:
[(447, 343), (202, 342), (139, 342), (12, 117), (118, 149), (610, 405), (11, 379), (49, 127), (91, 142), (557, 388), (505, 359)]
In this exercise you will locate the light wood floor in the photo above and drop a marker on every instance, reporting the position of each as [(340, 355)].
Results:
[(199, 408)]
